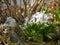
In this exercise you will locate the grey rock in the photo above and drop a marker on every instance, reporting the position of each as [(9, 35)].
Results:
[(14, 36), (10, 22)]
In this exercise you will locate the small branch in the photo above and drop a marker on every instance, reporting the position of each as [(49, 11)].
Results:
[(40, 5), (26, 10)]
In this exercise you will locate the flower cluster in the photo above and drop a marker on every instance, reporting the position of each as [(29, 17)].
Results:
[(39, 17)]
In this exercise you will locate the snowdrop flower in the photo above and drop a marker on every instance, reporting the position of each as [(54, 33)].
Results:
[(26, 21), (32, 20)]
